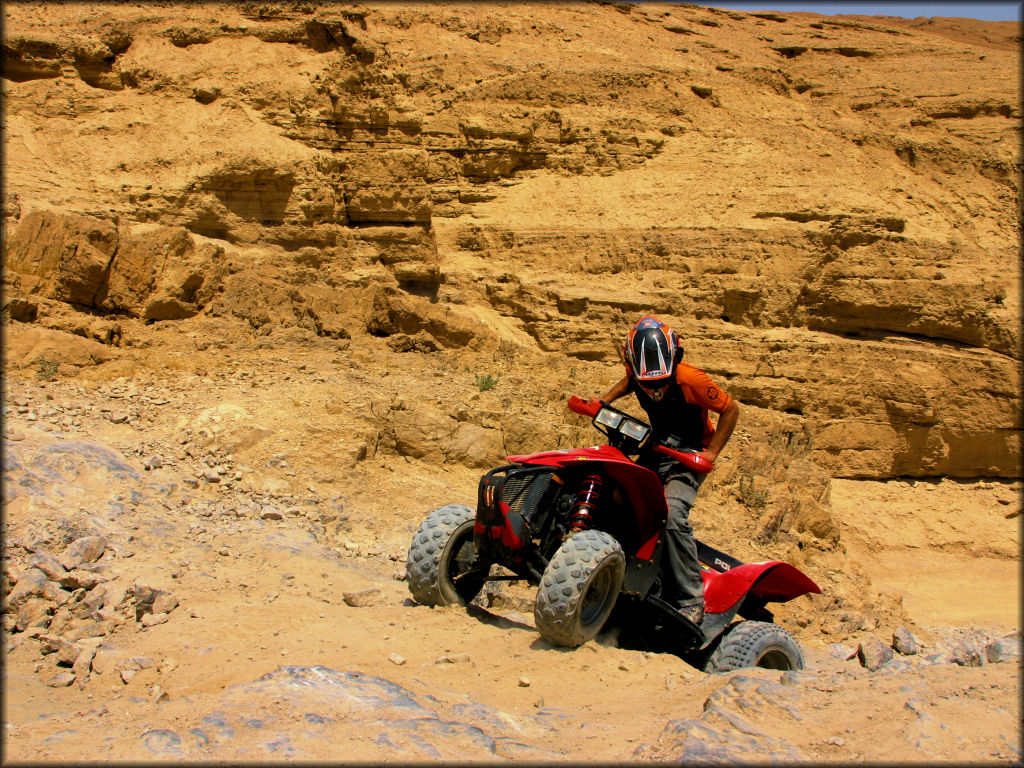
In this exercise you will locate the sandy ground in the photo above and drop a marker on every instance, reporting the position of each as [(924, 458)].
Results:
[(256, 594)]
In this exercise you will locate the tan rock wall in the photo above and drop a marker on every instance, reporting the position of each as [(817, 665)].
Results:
[(827, 212)]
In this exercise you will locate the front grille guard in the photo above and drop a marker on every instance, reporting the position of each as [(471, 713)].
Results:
[(508, 503)]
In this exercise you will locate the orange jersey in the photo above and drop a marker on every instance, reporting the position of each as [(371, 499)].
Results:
[(683, 411)]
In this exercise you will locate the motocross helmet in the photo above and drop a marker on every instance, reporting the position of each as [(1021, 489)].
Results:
[(652, 351)]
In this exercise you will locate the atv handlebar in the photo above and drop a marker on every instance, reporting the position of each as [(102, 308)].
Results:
[(693, 461), (584, 407), (690, 460)]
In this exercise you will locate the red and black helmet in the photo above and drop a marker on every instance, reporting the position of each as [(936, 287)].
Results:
[(652, 351)]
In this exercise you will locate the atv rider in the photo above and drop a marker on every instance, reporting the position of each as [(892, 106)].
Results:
[(677, 397)]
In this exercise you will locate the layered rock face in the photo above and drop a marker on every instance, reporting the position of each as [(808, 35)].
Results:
[(826, 209)]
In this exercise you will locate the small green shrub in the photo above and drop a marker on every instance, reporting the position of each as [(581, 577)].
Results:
[(486, 382), (749, 496), (47, 369)]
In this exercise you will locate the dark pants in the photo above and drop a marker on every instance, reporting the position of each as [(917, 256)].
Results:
[(680, 571)]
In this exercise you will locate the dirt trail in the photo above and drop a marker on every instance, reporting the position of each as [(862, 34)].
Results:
[(262, 587)]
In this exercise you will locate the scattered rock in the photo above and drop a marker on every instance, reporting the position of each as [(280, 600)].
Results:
[(841, 651), (1003, 649), (452, 658), (874, 654), (524, 682), (362, 598), (87, 549), (396, 659), (61, 680), (903, 642), (152, 619), (968, 653)]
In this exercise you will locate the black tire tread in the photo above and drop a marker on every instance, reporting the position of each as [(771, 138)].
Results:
[(745, 642), (423, 562), (563, 584)]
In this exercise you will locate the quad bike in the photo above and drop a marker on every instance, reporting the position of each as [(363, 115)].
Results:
[(585, 526)]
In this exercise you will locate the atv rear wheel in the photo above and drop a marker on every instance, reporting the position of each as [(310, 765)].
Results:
[(442, 564), (579, 587), (755, 644)]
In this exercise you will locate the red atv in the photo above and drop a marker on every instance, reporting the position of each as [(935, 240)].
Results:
[(585, 526)]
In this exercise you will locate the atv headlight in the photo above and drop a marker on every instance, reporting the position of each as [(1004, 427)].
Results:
[(609, 418), (634, 430)]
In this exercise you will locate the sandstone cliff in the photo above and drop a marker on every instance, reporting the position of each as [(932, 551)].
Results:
[(825, 208)]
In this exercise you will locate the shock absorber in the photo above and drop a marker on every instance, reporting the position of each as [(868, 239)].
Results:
[(586, 502)]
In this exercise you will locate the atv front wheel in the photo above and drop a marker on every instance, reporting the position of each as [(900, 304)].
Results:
[(579, 588), (755, 644), (442, 565)]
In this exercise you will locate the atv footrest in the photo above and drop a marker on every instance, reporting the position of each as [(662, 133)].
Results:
[(692, 634)]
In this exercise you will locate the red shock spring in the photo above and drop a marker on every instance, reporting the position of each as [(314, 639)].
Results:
[(586, 501)]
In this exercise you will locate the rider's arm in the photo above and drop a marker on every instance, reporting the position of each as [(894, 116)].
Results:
[(618, 390), (723, 431)]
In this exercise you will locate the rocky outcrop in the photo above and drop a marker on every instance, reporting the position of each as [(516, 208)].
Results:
[(62, 257), (159, 274), (351, 182), (162, 275)]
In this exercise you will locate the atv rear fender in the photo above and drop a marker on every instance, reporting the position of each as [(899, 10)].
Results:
[(771, 582), (725, 592)]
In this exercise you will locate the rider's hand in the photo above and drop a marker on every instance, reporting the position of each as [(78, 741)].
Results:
[(711, 456)]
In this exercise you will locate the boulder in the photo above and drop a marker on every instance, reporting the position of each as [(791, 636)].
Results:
[(61, 256), (48, 564), (873, 654), (34, 612), (903, 642), (161, 274), (48, 351), (1004, 648), (87, 549), (968, 653), (34, 584)]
